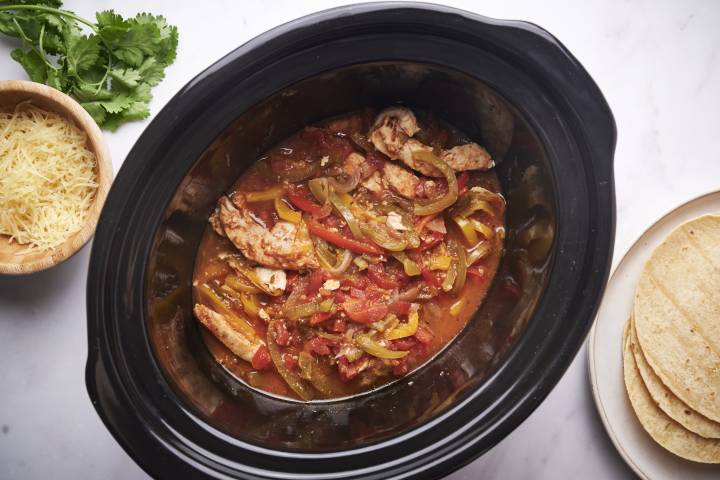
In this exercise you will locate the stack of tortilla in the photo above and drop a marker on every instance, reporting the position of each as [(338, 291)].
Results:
[(671, 346)]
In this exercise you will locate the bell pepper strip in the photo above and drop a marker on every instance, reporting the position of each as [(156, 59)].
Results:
[(221, 307), (264, 195), (438, 205), (480, 251), (250, 304), (478, 199), (379, 235), (376, 349), (411, 268), (261, 360), (319, 318), (450, 276), (342, 204), (307, 205), (482, 228), (404, 329), (240, 284), (297, 384), (342, 241), (439, 262), (467, 229), (458, 252), (361, 312), (296, 312), (285, 212), (456, 307), (251, 275)]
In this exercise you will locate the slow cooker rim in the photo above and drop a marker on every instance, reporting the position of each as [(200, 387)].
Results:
[(373, 8)]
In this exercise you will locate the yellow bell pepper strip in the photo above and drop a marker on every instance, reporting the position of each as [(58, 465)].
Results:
[(411, 268), (480, 251), (482, 228), (303, 390), (404, 329), (296, 312), (250, 304), (209, 295), (439, 262), (467, 229), (376, 349), (477, 199), (458, 252), (240, 284), (265, 195), (285, 212), (434, 206), (456, 307)]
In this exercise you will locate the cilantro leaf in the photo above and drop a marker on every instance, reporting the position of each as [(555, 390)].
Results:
[(110, 70), (82, 53), (33, 64)]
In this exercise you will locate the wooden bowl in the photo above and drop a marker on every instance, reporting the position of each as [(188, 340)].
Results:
[(13, 92)]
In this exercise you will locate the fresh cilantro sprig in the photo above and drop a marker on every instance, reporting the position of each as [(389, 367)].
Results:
[(110, 70)]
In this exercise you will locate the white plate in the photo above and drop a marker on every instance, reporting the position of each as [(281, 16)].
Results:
[(648, 459)]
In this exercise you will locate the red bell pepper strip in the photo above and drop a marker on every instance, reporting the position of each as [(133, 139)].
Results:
[(462, 180), (261, 360), (309, 206), (341, 241)]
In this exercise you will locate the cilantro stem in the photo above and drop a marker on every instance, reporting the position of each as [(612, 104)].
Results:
[(56, 11)]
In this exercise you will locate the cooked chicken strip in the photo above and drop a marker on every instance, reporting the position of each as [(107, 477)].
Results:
[(215, 222), (401, 180), (391, 130), (285, 246), (224, 331), (470, 156), (391, 134)]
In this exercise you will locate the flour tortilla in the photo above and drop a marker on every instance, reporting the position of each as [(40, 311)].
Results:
[(664, 430), (677, 314), (666, 400)]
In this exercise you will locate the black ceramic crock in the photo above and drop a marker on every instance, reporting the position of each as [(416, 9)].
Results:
[(509, 85)]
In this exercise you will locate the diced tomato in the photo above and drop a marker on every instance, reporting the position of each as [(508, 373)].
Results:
[(400, 307), (403, 344), (317, 345), (328, 143), (462, 180), (339, 297), (292, 278), (424, 334), (431, 278), (339, 325), (359, 282), (400, 369), (348, 370), (282, 336), (432, 242), (290, 361), (318, 318), (476, 271), (376, 273), (361, 312), (261, 359), (357, 293), (316, 280)]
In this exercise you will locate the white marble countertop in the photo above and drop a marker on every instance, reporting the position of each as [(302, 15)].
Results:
[(658, 66)]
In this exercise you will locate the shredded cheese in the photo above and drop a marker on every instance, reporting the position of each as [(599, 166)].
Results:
[(47, 177)]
